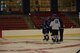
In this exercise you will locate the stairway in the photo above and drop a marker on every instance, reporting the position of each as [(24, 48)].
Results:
[(29, 22)]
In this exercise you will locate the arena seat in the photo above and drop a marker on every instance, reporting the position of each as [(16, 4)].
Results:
[(67, 22), (12, 23), (36, 19)]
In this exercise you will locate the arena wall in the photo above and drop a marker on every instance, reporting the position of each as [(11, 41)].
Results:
[(0, 34), (36, 32)]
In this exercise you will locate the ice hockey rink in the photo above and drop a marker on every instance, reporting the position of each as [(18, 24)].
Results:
[(35, 44)]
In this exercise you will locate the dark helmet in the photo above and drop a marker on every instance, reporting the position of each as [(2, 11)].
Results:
[(55, 15)]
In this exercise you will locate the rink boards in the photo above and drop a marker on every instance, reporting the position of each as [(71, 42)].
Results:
[(36, 33)]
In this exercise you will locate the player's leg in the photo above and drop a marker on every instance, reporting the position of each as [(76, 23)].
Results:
[(47, 34), (56, 36), (52, 36), (61, 34), (44, 34), (47, 37), (44, 37)]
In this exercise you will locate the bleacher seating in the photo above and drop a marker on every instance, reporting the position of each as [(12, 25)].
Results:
[(38, 21), (66, 21), (12, 23)]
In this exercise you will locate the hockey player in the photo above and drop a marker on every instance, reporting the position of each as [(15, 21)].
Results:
[(61, 30), (55, 24), (45, 30)]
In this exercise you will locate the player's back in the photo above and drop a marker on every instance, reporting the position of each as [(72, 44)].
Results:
[(55, 24)]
